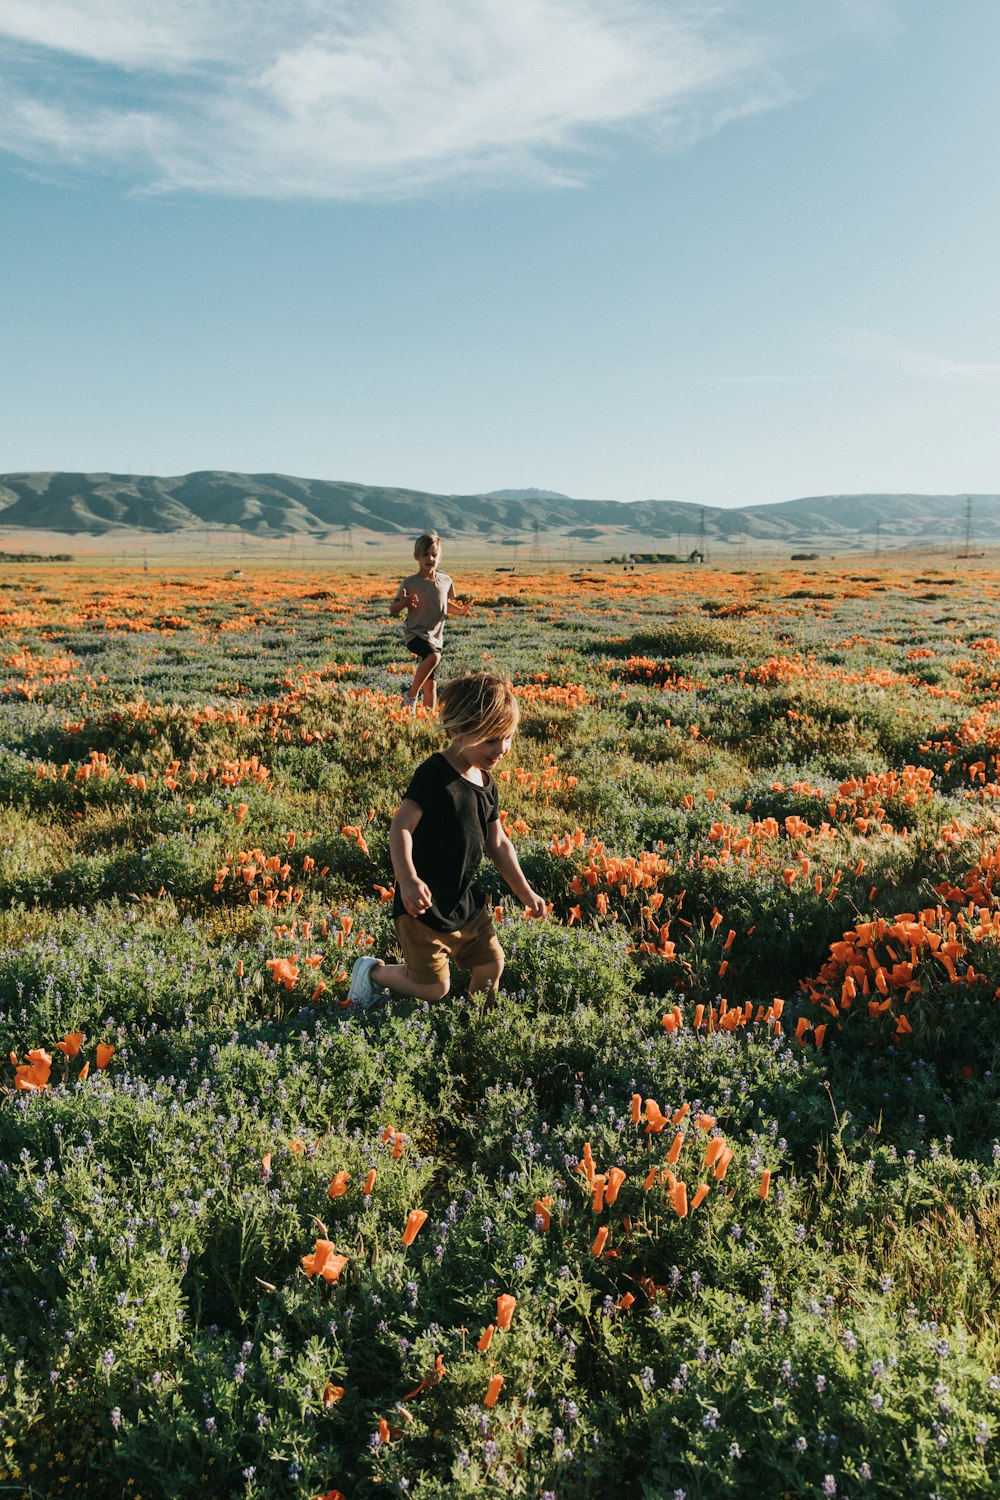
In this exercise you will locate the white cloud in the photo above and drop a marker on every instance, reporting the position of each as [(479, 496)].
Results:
[(867, 346), (369, 98)]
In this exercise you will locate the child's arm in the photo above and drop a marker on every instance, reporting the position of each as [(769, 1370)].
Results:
[(503, 854), (414, 894), (402, 601), (454, 607)]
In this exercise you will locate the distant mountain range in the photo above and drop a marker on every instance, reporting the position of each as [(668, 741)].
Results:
[(270, 505)]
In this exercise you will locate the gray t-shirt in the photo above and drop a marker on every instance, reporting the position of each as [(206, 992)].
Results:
[(427, 621)]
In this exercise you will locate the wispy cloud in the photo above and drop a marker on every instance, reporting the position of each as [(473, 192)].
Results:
[(791, 379), (870, 347), (378, 98)]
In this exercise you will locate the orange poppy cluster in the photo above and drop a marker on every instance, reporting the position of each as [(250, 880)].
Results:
[(33, 1074), (974, 748), (878, 967), (571, 695), (603, 1187), (656, 673), (324, 1263), (97, 767), (287, 971), (542, 783), (262, 877), (709, 1018), (34, 673)]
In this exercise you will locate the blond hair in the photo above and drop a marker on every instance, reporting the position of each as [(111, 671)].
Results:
[(480, 705), (424, 543)]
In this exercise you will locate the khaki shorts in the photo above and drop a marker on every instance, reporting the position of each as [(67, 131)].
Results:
[(427, 953)]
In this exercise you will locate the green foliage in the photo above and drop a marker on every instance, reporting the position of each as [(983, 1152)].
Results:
[(795, 767)]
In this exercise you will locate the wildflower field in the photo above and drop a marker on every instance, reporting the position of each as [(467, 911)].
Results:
[(707, 1205)]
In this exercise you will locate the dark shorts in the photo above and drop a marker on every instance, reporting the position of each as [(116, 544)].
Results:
[(418, 646), (427, 953)]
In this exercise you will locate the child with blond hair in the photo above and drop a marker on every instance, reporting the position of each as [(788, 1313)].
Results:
[(428, 596), (448, 819)]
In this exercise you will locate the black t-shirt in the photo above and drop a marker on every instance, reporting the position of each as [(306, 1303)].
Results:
[(449, 841)]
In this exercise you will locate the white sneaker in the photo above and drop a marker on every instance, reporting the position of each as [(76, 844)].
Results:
[(409, 704), (363, 992)]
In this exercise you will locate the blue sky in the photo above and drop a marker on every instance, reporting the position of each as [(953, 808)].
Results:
[(720, 252)]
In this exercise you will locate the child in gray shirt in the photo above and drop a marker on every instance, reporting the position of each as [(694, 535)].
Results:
[(428, 598)]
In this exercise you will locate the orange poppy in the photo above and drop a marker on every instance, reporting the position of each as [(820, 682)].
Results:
[(105, 1052), (506, 1304), (71, 1043), (415, 1219), (338, 1186), (722, 1165), (493, 1391), (324, 1261), (486, 1338), (615, 1179), (369, 1183)]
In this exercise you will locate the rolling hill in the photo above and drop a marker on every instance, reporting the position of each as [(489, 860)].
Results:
[(281, 505)]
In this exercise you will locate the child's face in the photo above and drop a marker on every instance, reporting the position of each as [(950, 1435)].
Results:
[(427, 561), (482, 754)]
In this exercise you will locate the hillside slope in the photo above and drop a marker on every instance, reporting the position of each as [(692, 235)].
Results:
[(280, 504)]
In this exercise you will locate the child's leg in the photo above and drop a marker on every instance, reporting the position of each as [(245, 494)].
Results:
[(430, 693), (484, 980), (424, 973), (484, 955), (396, 977), (426, 667)]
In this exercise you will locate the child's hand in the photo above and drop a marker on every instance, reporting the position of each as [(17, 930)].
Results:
[(535, 905), (415, 896), (413, 601)]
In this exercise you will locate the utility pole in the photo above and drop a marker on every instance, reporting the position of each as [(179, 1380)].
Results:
[(968, 525), (878, 540)]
